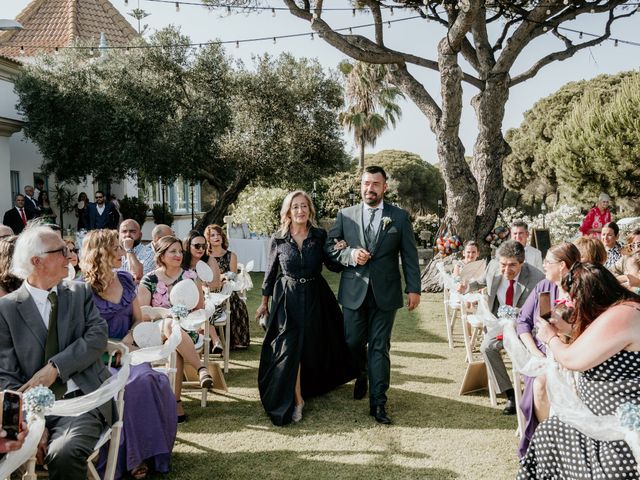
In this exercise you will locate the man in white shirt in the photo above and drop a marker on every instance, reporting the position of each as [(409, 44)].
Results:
[(520, 233), (51, 334), (139, 259)]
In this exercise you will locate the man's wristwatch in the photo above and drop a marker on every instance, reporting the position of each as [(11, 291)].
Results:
[(129, 250)]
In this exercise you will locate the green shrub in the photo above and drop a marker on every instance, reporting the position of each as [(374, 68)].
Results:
[(135, 208), (162, 215), (259, 207)]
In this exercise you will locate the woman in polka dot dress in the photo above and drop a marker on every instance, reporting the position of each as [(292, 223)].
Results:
[(601, 339)]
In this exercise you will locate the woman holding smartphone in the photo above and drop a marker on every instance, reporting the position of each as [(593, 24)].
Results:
[(534, 403)]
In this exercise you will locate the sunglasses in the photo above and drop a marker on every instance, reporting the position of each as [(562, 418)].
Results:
[(64, 250), (199, 246), (99, 197)]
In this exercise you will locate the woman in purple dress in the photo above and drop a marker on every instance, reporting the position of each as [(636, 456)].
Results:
[(150, 418), (534, 403)]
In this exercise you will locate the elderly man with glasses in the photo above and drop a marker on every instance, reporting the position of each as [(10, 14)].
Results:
[(101, 214), (51, 334)]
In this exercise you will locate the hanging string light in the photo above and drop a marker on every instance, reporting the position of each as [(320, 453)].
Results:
[(177, 6)]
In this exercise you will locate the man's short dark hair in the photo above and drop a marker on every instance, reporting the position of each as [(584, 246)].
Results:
[(99, 192), (613, 226), (520, 223), (511, 249), (39, 181), (374, 169), (18, 195)]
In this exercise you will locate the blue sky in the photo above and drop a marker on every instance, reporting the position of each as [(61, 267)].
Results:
[(416, 36)]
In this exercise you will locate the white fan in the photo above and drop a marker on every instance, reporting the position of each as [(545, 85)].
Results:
[(72, 272), (204, 272), (147, 334), (185, 293)]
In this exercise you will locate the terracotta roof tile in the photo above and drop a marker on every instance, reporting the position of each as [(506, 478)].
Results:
[(58, 23)]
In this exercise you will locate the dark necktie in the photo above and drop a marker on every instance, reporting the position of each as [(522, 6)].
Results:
[(51, 347), (369, 233), (22, 215), (508, 299)]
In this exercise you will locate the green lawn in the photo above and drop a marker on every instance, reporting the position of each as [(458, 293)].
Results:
[(436, 433)]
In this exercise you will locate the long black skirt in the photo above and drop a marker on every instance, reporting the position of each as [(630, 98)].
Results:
[(305, 328)]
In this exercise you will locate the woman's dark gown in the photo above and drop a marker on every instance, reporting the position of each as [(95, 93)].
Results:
[(305, 327)]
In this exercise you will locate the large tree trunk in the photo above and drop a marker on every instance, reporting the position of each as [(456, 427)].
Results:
[(220, 209)]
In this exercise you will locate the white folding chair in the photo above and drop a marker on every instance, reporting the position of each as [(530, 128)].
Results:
[(452, 311)]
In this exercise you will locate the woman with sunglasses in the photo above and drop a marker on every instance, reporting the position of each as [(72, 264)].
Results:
[(195, 246), (154, 290), (604, 346), (74, 260), (535, 403), (150, 420)]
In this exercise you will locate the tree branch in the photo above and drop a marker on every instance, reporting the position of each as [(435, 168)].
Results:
[(415, 90), (377, 20), (569, 51)]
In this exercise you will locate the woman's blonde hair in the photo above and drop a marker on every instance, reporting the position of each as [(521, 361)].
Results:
[(99, 250), (285, 217)]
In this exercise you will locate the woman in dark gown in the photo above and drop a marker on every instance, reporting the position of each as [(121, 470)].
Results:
[(604, 346), (304, 353), (150, 418)]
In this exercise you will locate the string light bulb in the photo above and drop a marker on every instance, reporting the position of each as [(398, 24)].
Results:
[(228, 10), (615, 44), (545, 28), (126, 3), (127, 51), (237, 44), (91, 51), (273, 12), (22, 50), (353, 12), (566, 2), (350, 31), (548, 12), (274, 40), (312, 36), (580, 36), (388, 24), (391, 11), (56, 51), (177, 7)]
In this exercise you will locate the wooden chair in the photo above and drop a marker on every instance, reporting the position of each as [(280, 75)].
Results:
[(452, 311)]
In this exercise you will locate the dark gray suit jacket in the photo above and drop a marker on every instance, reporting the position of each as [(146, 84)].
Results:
[(382, 271), (527, 281), (82, 337)]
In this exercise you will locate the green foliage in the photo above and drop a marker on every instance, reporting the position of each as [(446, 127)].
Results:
[(372, 106), (418, 184), (339, 191), (65, 199), (598, 147), (162, 214), (135, 208), (531, 168), (259, 207), (562, 222), (425, 227)]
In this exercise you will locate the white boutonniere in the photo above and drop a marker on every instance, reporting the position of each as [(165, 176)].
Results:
[(386, 221)]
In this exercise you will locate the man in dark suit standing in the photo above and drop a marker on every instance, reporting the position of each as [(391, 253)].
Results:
[(509, 281), (30, 201), (101, 214), (377, 234), (17, 217), (51, 334)]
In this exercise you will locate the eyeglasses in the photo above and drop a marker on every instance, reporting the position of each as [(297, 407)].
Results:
[(199, 246), (64, 250), (634, 245), (550, 262)]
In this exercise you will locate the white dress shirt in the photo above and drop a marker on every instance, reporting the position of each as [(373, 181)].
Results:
[(366, 215), (100, 208), (40, 297), (501, 294)]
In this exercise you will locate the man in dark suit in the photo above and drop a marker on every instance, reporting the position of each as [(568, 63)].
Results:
[(377, 234), (51, 334), (30, 201), (509, 281), (17, 217), (101, 214)]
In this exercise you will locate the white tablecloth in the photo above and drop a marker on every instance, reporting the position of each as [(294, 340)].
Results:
[(250, 249)]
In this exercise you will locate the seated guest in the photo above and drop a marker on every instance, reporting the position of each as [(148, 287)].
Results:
[(535, 403), (150, 419), (597, 217), (17, 217), (81, 210), (53, 335), (604, 346), (194, 246), (631, 246), (74, 261), (591, 250), (8, 281), (139, 259), (154, 291), (218, 249), (520, 233), (509, 281), (159, 231), (470, 254), (631, 277), (5, 231), (609, 237)]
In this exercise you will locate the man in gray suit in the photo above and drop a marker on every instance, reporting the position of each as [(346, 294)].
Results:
[(370, 288), (509, 281), (51, 334)]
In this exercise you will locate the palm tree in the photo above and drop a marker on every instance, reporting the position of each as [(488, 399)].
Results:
[(371, 103)]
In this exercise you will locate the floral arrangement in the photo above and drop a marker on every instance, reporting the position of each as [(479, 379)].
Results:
[(562, 222), (425, 227), (448, 245), (259, 207), (38, 400), (629, 416), (385, 222), (161, 295), (497, 236), (179, 311)]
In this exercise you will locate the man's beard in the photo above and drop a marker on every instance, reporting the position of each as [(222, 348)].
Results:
[(372, 202)]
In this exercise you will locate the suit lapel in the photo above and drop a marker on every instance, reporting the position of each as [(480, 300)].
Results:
[(358, 221), (31, 316), (521, 285), (382, 231)]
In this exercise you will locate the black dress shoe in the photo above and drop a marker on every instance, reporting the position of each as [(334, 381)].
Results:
[(380, 414), (360, 388), (510, 408)]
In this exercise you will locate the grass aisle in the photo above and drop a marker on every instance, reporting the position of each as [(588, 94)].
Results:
[(436, 433)]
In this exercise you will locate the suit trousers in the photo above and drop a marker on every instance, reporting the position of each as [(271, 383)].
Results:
[(370, 325), (491, 349), (71, 441)]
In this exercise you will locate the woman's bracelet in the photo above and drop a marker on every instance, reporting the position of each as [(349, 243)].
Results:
[(548, 342)]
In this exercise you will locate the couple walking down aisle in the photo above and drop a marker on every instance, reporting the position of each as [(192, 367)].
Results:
[(309, 349)]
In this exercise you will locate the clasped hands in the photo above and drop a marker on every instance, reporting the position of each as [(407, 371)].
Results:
[(45, 376)]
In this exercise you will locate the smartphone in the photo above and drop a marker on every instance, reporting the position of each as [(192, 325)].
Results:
[(544, 305), (11, 413)]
